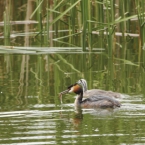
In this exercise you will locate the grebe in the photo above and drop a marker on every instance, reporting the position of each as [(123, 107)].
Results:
[(95, 99), (87, 93)]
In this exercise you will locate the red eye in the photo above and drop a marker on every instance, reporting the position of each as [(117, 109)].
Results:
[(71, 86)]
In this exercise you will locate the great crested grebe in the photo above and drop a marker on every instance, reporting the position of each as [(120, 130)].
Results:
[(87, 93), (96, 98)]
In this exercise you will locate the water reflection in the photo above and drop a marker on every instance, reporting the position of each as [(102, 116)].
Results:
[(65, 125), (31, 112)]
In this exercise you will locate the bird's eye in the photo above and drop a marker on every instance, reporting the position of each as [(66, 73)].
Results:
[(71, 86)]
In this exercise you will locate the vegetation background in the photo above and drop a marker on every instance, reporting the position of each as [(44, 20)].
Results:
[(110, 24), (114, 28)]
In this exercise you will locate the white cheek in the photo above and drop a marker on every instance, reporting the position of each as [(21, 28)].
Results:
[(71, 90)]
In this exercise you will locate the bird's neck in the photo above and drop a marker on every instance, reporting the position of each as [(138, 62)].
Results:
[(79, 98)]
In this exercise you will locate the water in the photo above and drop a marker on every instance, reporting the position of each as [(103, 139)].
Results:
[(31, 112), (48, 124), (32, 74)]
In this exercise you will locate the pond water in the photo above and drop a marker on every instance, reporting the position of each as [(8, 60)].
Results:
[(44, 50), (31, 112)]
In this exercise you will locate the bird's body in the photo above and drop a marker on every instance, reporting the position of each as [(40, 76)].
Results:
[(92, 92), (95, 98), (87, 93), (97, 101)]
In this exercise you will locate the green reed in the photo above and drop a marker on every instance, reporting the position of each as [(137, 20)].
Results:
[(89, 12), (39, 18), (6, 29), (84, 10), (141, 19), (7, 22), (141, 49), (94, 23), (99, 17), (89, 24)]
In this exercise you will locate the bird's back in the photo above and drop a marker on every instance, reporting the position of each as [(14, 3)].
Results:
[(93, 92), (99, 101)]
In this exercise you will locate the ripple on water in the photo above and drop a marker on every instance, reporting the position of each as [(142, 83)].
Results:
[(62, 125)]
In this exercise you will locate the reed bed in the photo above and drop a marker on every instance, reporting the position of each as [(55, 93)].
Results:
[(92, 24), (112, 25)]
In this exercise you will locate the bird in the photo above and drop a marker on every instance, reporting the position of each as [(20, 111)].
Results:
[(87, 93), (94, 99)]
